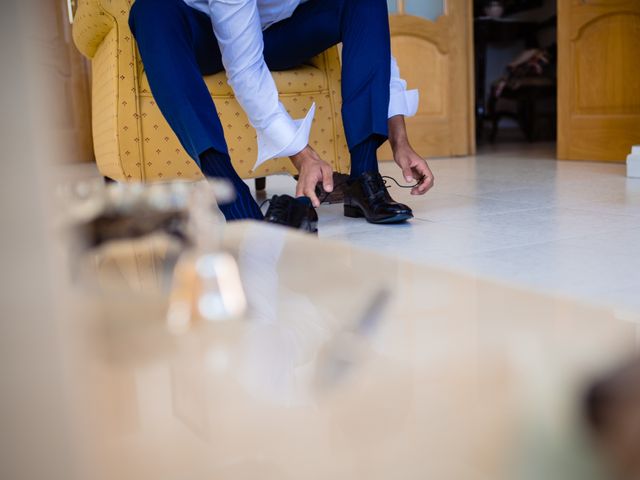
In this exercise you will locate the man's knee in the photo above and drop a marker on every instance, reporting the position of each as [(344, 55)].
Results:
[(140, 13), (366, 12), (154, 13)]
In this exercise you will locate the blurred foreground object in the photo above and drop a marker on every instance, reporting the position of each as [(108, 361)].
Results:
[(448, 376), (41, 436), (613, 411), (163, 225), (115, 211), (206, 282)]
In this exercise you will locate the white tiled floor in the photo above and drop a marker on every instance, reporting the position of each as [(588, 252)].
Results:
[(516, 214)]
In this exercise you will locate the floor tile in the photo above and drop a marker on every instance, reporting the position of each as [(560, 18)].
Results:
[(515, 214), (546, 224)]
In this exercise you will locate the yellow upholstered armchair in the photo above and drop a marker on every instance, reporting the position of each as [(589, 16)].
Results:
[(132, 140)]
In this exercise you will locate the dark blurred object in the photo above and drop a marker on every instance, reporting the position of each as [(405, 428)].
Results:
[(130, 211), (510, 6), (527, 93), (116, 225), (101, 212), (612, 408)]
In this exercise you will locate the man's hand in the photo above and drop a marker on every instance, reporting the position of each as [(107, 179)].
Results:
[(414, 167), (312, 169)]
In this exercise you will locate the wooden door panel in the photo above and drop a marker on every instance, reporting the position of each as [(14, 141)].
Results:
[(616, 88), (436, 58), (430, 75), (428, 135), (599, 79)]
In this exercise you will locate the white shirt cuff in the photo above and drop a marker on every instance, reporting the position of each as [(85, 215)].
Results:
[(284, 137), (404, 102)]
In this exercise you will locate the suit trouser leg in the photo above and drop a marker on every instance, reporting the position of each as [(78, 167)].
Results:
[(363, 28), (177, 47)]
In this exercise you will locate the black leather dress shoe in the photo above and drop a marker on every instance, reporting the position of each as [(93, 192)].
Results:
[(292, 212), (367, 197)]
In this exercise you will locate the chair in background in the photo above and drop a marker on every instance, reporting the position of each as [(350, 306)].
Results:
[(531, 102), (528, 90)]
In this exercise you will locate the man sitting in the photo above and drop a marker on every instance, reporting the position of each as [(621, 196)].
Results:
[(182, 40)]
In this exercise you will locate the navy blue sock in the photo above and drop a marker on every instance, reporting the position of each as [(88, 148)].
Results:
[(364, 158), (218, 165)]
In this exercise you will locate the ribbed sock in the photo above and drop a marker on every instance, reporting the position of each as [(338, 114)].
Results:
[(218, 165), (363, 157)]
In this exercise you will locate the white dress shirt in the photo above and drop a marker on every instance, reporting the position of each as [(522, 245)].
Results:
[(238, 26)]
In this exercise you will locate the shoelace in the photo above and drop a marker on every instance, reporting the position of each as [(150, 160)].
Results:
[(326, 194), (374, 187), (386, 185)]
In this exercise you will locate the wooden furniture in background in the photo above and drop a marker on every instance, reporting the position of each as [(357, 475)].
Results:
[(436, 57), (532, 105), (598, 79)]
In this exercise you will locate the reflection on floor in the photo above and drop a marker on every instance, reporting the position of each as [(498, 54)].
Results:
[(514, 213)]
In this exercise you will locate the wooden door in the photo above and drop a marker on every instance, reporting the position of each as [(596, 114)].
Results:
[(436, 57), (598, 79)]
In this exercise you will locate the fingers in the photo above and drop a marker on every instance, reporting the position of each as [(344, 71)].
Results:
[(408, 174), (327, 179), (425, 184), (310, 191), (309, 178), (425, 175), (306, 187), (300, 187)]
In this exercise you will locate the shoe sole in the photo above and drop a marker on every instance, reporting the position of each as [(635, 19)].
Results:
[(311, 228), (355, 212)]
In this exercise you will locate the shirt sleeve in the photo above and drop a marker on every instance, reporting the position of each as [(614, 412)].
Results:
[(401, 101), (236, 25)]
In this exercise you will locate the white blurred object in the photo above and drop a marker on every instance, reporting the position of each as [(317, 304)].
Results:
[(206, 281), (206, 286), (633, 162)]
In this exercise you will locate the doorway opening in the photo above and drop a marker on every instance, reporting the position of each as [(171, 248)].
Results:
[(515, 45)]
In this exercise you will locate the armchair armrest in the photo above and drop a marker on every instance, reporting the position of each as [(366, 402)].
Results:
[(101, 32), (91, 25)]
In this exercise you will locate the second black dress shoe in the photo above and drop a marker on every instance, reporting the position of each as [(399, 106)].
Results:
[(292, 212), (367, 197)]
